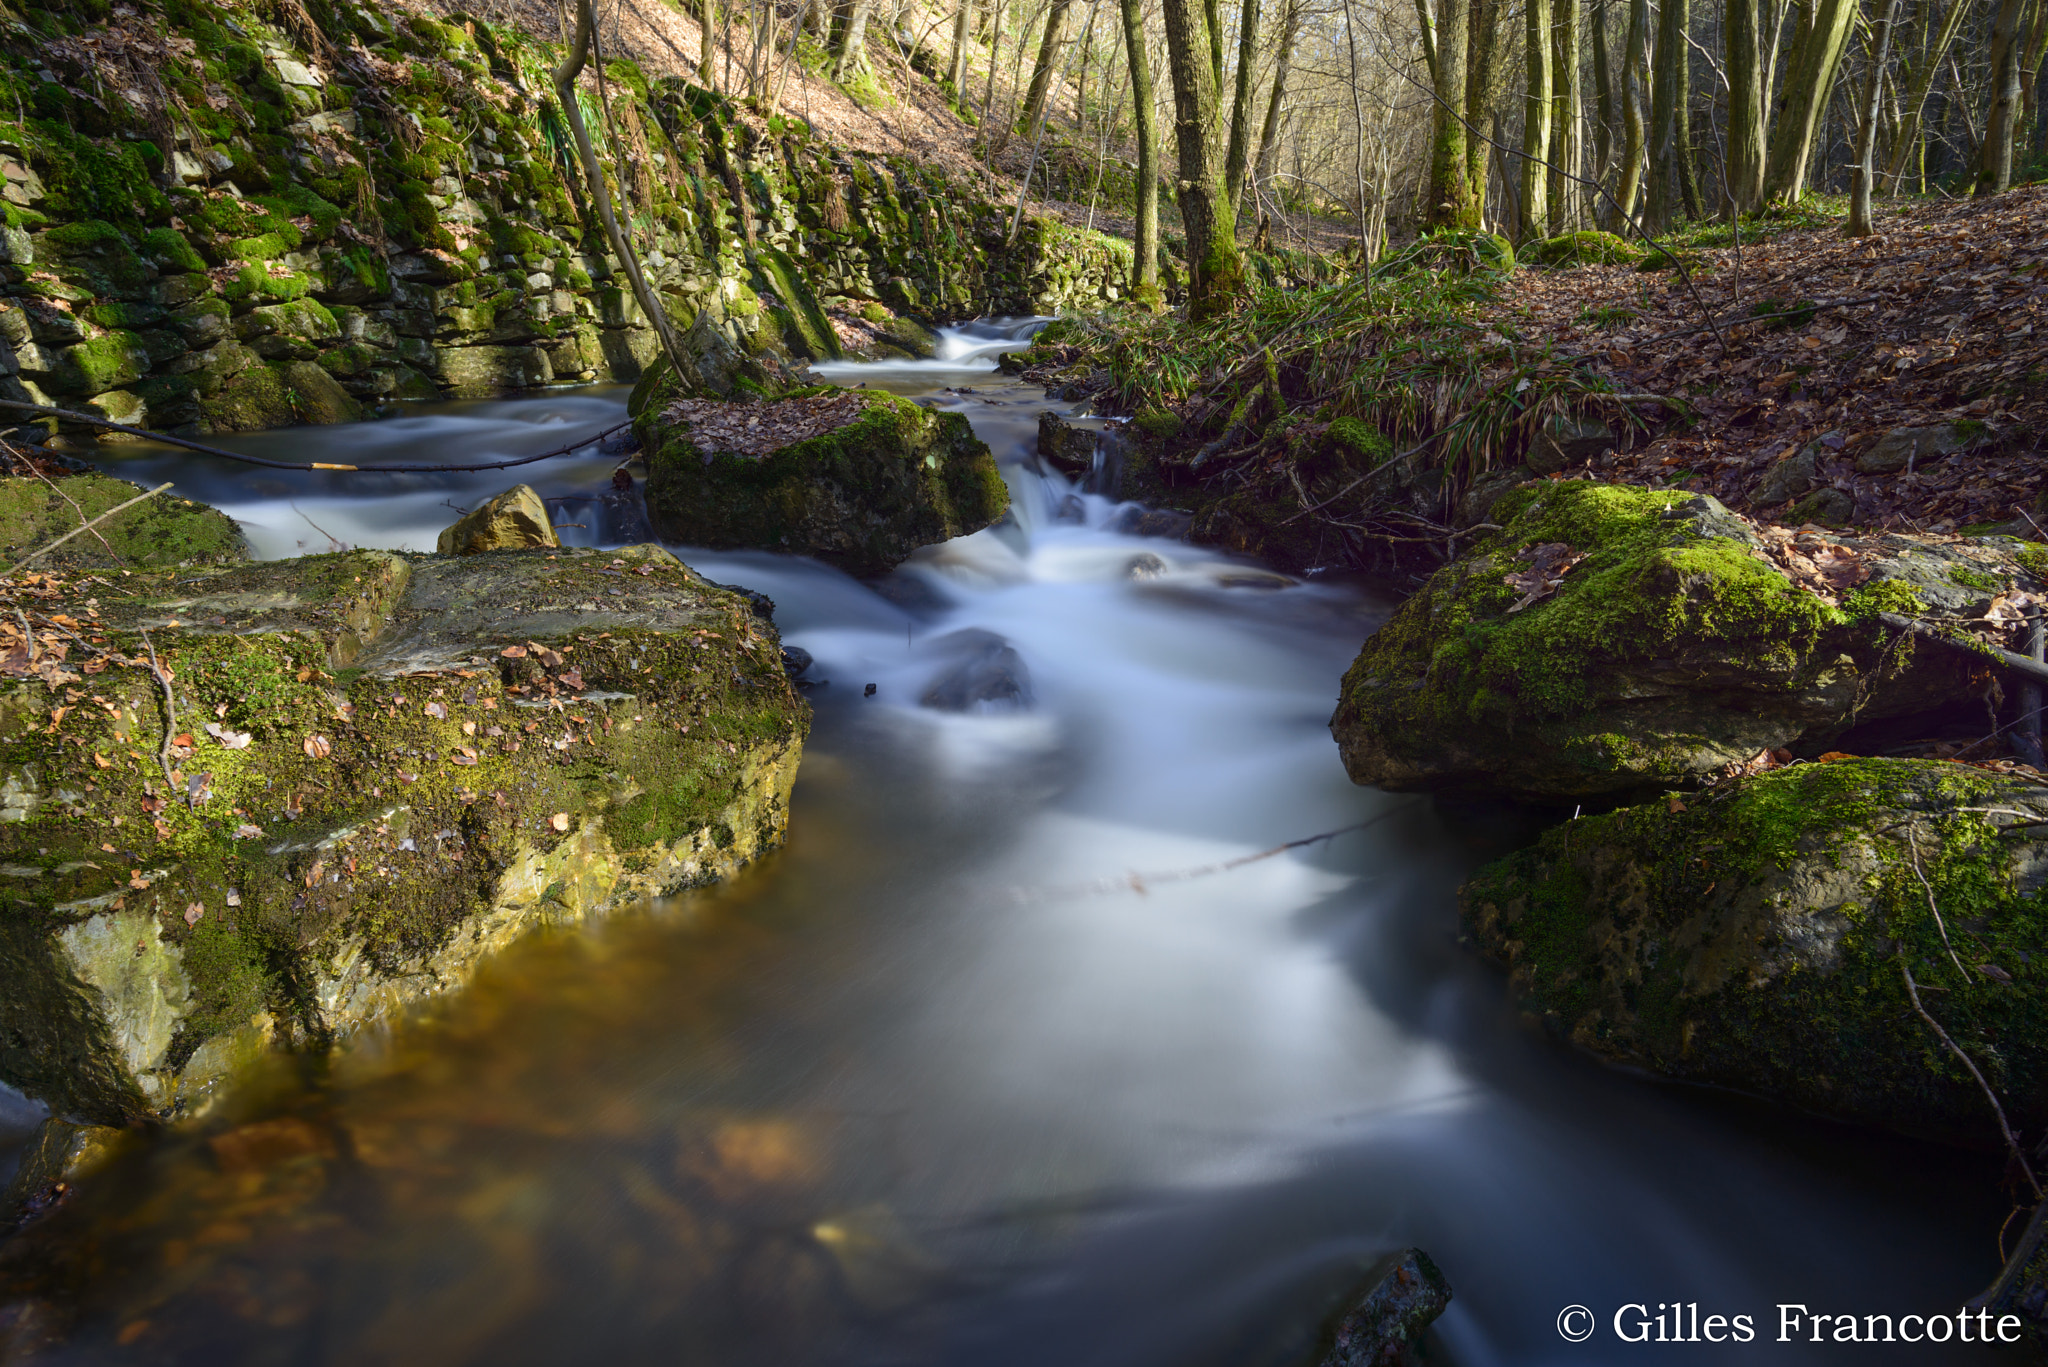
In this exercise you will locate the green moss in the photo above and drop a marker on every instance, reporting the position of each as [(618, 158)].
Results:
[(1587, 248), (1976, 579), (1361, 445), (1883, 595), (1159, 424), (166, 530)]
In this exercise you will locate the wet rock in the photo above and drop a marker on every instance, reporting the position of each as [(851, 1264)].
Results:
[(1675, 648), (57, 1155), (1145, 566), (515, 520), (895, 476), (1135, 520), (1064, 446), (384, 768), (796, 661), (1403, 1295), (985, 674), (1757, 936)]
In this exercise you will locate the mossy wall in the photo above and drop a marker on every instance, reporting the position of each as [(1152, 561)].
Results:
[(273, 227)]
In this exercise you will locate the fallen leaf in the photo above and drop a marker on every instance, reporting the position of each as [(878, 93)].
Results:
[(560, 821), (317, 747), (247, 831), (194, 912), (1995, 973), (514, 652), (437, 711)]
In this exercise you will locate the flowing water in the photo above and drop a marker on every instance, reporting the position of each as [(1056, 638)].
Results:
[(1005, 1058)]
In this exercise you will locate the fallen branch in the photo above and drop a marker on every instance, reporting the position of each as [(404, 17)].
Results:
[(163, 754), (150, 434), (1141, 882), (2012, 1142), (2018, 664), (34, 556)]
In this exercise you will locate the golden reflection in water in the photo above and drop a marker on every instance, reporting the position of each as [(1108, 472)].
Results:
[(551, 1157)]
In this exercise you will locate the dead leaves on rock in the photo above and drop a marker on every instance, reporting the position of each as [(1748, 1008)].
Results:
[(1548, 565), (756, 429), (1823, 567)]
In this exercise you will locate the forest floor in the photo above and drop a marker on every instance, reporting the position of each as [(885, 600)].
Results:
[(1941, 317)]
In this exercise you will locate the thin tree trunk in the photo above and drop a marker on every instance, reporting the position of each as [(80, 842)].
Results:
[(1216, 273), (1917, 91), (1681, 131), (1049, 46), (1358, 147), (1241, 102), (1145, 282), (1564, 114), (1814, 61), (1866, 132), (1634, 51), (600, 194), (1269, 133), (1664, 88), (1451, 202), (2030, 81), (1746, 95), (988, 95), (1427, 26), (1994, 167), (1534, 222), (956, 63), (1483, 45), (1603, 95), (851, 54)]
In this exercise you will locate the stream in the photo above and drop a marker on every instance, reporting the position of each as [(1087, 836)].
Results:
[(996, 1062)]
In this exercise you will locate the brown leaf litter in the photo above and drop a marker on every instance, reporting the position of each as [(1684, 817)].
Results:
[(756, 429)]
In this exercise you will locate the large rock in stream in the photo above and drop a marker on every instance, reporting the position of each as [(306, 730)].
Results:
[(357, 776), (1612, 639), (857, 478), (1759, 936)]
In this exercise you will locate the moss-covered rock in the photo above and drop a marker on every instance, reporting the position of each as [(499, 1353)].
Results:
[(1587, 248), (516, 520), (357, 777), (1757, 936), (1674, 649), (893, 477), (162, 532)]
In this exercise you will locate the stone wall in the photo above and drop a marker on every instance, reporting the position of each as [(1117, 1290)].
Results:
[(212, 224)]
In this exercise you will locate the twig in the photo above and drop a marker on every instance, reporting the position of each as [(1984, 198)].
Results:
[(1139, 882), (34, 556), (163, 755), (1913, 854), (2012, 1142), (167, 439), (56, 489)]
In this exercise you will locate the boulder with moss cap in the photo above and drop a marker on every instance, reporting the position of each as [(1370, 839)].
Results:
[(860, 490), (516, 520), (1669, 647), (382, 768), (1758, 936)]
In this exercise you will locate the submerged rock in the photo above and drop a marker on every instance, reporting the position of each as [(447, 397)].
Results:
[(1757, 936), (862, 487), (985, 674), (516, 520), (377, 770), (1404, 1294), (1614, 639), (1065, 447)]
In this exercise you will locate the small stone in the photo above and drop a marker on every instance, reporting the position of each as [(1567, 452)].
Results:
[(1792, 476), (515, 520)]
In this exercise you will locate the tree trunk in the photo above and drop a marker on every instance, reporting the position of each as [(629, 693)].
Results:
[(1634, 49), (1427, 26), (1564, 116), (2030, 81), (1927, 65), (1451, 202), (1145, 285), (1682, 159), (1746, 94), (1358, 149), (1866, 131), (1269, 134), (1241, 103), (600, 194), (1049, 45), (850, 50), (956, 64), (1815, 58), (1603, 95), (1483, 39), (1534, 222), (1216, 274), (1663, 148), (1994, 167)]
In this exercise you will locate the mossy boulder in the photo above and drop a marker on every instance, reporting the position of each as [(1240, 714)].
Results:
[(357, 776), (1587, 248), (1757, 936), (890, 477), (165, 531), (1673, 650), (516, 520)]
